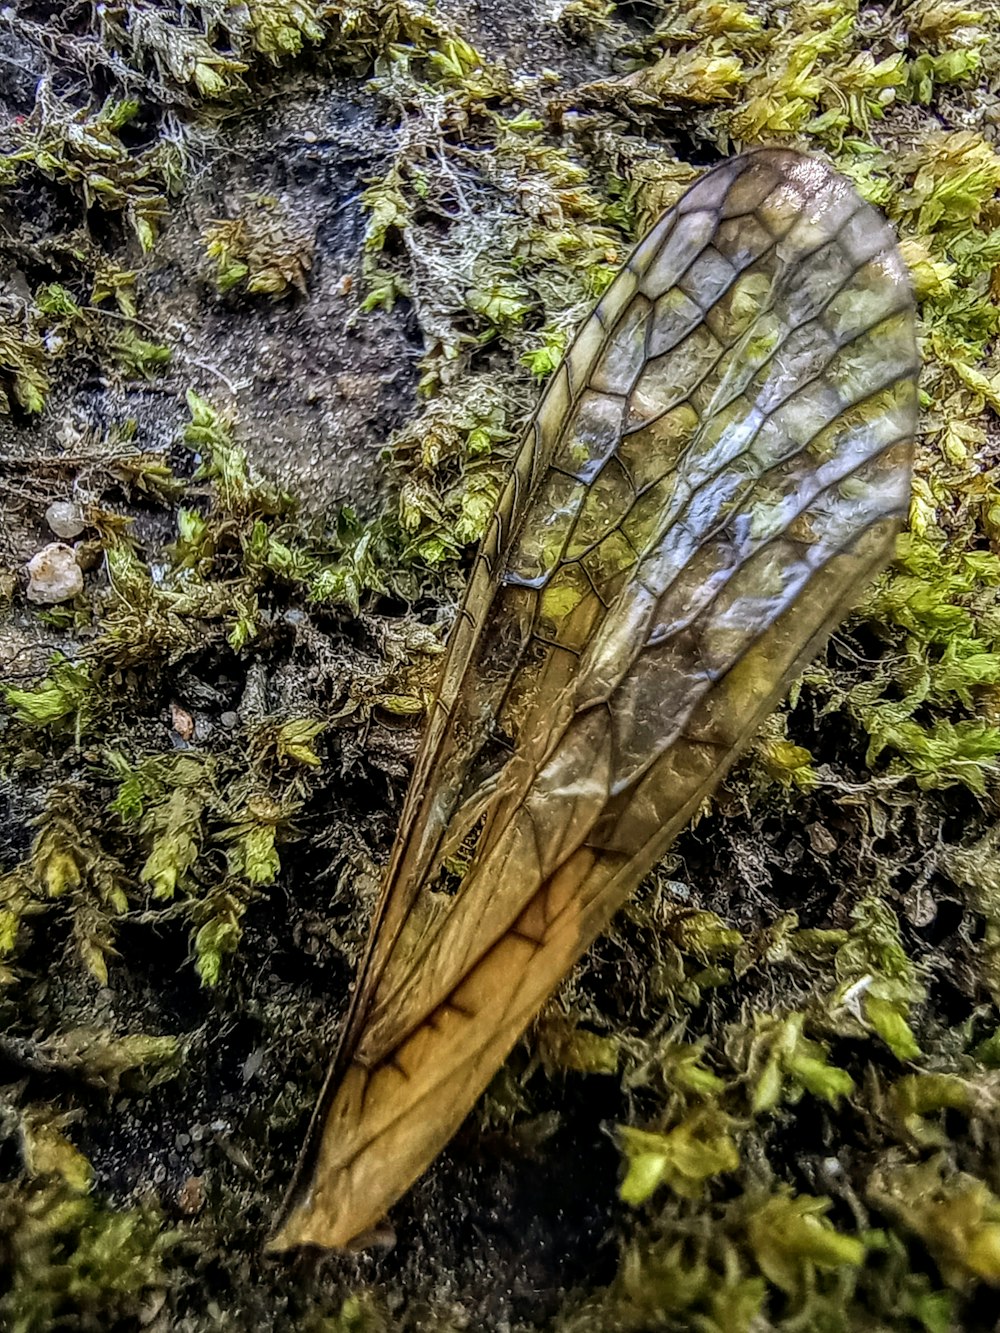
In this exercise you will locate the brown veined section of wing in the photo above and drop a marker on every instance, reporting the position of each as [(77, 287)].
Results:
[(719, 466)]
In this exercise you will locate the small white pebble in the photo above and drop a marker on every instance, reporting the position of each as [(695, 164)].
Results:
[(54, 576), (65, 518)]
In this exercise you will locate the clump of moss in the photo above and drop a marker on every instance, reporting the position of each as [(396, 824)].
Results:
[(63, 697), (956, 1215), (69, 1259), (174, 819), (261, 251), (83, 149), (181, 812), (765, 1259), (25, 377)]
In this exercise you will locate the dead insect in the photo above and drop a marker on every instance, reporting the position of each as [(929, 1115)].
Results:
[(716, 470)]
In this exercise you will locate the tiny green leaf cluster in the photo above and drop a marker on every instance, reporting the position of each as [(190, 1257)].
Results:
[(260, 251)]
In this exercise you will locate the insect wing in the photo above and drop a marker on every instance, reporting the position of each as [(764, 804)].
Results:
[(719, 465)]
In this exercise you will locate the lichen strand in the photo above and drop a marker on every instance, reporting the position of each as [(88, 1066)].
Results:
[(769, 1100)]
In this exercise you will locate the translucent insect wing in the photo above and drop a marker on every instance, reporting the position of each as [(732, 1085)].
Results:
[(715, 471)]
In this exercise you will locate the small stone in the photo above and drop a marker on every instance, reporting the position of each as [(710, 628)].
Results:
[(182, 722), (54, 576), (65, 518), (229, 720), (253, 1064), (191, 1195), (921, 906), (821, 840)]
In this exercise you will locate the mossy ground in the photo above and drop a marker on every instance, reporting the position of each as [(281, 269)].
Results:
[(248, 245)]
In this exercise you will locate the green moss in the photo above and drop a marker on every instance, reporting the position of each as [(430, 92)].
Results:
[(793, 1242), (916, 1098), (100, 1059), (138, 356), (24, 377), (878, 983), (783, 1064), (181, 812), (561, 1042), (358, 1314), (240, 491), (68, 861), (765, 1260), (260, 251), (700, 1148), (957, 1217), (72, 1258), (64, 698)]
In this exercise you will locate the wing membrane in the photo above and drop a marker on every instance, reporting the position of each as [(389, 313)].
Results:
[(716, 469)]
